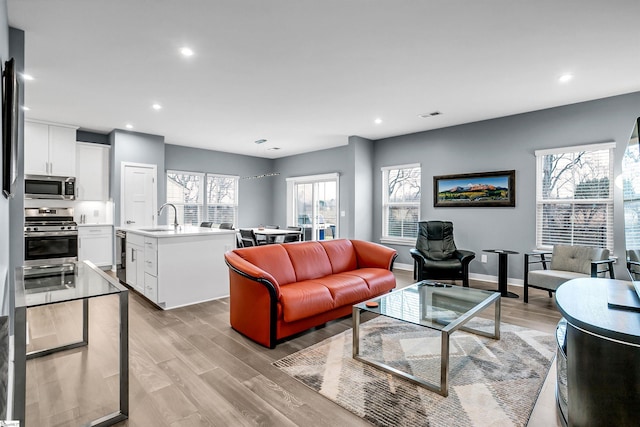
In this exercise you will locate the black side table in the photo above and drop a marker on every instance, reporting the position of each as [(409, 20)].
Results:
[(502, 270)]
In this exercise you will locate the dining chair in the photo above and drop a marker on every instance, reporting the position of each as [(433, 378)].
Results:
[(206, 224), (248, 237), (226, 226), (293, 237)]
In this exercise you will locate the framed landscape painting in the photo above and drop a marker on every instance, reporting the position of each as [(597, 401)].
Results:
[(475, 189)]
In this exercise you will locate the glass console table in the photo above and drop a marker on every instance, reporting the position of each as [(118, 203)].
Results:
[(39, 286), (434, 305)]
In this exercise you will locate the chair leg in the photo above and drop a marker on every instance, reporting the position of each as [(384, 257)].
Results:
[(526, 294), (550, 294)]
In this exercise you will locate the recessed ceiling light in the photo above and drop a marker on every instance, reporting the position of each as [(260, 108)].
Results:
[(431, 114), (260, 141), (273, 148), (156, 107), (129, 126), (185, 51), (27, 76), (378, 121), (25, 108), (565, 78)]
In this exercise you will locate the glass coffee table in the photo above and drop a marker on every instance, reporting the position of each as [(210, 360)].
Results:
[(442, 307)]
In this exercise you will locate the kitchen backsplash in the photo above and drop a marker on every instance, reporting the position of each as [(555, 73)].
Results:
[(91, 212)]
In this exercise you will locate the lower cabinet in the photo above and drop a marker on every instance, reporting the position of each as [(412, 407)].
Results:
[(95, 243), (135, 262)]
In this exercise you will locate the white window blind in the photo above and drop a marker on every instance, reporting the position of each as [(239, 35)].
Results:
[(574, 200), (401, 202)]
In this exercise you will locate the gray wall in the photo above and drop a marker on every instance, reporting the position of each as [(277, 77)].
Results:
[(315, 163), (255, 195), (501, 144), (135, 147), (361, 188)]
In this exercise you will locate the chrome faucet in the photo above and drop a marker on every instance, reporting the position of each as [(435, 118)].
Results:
[(175, 213)]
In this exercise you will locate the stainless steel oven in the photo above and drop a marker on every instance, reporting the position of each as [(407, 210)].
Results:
[(50, 236)]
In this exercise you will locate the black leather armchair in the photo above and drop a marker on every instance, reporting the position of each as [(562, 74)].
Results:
[(436, 256)]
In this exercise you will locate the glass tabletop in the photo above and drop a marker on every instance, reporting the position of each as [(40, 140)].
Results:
[(430, 303), (42, 285)]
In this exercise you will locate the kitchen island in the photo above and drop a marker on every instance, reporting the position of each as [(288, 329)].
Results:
[(178, 266)]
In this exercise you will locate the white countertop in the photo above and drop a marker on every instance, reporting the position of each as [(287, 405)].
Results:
[(183, 230)]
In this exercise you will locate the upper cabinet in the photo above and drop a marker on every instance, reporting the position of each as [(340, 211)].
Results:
[(92, 171), (49, 149)]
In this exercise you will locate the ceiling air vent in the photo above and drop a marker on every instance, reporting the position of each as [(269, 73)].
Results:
[(427, 115)]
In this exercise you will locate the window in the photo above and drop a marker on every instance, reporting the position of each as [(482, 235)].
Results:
[(222, 198), (186, 190), (313, 204), (631, 194), (401, 202), (574, 196)]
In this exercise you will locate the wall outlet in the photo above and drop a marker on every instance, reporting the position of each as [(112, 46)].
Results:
[(96, 212), (483, 258)]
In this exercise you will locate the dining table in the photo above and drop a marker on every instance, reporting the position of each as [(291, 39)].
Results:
[(272, 234)]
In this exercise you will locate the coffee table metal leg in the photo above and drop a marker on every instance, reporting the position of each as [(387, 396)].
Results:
[(444, 360)]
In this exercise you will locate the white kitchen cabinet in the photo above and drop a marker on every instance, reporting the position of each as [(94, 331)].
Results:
[(92, 171), (49, 149), (181, 266), (95, 243), (135, 262)]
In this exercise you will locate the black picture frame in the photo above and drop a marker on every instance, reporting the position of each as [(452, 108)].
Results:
[(484, 189), (10, 106)]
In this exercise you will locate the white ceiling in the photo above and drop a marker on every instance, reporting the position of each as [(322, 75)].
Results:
[(307, 74)]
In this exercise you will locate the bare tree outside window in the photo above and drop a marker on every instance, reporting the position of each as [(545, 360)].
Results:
[(575, 203), (402, 202)]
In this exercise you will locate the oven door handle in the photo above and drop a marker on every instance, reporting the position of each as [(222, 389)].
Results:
[(49, 233)]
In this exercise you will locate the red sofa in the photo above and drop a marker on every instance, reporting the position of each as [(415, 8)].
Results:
[(279, 290)]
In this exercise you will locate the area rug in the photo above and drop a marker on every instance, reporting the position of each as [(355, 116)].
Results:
[(491, 382)]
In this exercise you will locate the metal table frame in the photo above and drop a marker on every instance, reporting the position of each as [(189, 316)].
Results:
[(21, 356), (458, 324)]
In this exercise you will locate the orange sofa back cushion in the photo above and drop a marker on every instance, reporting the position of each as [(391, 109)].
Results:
[(342, 255), (271, 258), (309, 260)]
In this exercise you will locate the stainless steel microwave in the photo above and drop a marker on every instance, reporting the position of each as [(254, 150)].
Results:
[(49, 187)]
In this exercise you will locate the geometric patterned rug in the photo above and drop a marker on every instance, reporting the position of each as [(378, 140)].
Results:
[(491, 382)]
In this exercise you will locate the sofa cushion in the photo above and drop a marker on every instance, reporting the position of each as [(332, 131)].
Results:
[(271, 258), (551, 279), (576, 258), (309, 260), (342, 255), (345, 288), (305, 299), (378, 280)]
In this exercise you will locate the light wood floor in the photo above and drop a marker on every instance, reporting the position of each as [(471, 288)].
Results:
[(189, 368)]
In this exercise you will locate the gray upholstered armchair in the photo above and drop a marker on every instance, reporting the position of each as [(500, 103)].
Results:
[(436, 256), (564, 263)]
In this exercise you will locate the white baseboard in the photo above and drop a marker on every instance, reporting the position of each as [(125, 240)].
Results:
[(474, 276)]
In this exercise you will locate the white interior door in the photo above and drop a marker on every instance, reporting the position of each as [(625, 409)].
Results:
[(138, 196)]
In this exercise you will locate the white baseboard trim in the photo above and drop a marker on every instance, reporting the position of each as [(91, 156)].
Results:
[(474, 276)]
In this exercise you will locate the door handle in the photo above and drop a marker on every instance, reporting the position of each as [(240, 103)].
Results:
[(133, 259)]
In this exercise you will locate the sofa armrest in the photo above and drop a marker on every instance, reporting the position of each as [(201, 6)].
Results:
[(609, 262), (249, 270), (374, 255), (538, 258)]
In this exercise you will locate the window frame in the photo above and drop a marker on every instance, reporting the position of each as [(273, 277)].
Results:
[(204, 205), (540, 202), (386, 205)]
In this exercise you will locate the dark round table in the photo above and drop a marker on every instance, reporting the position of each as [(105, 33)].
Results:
[(502, 270)]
